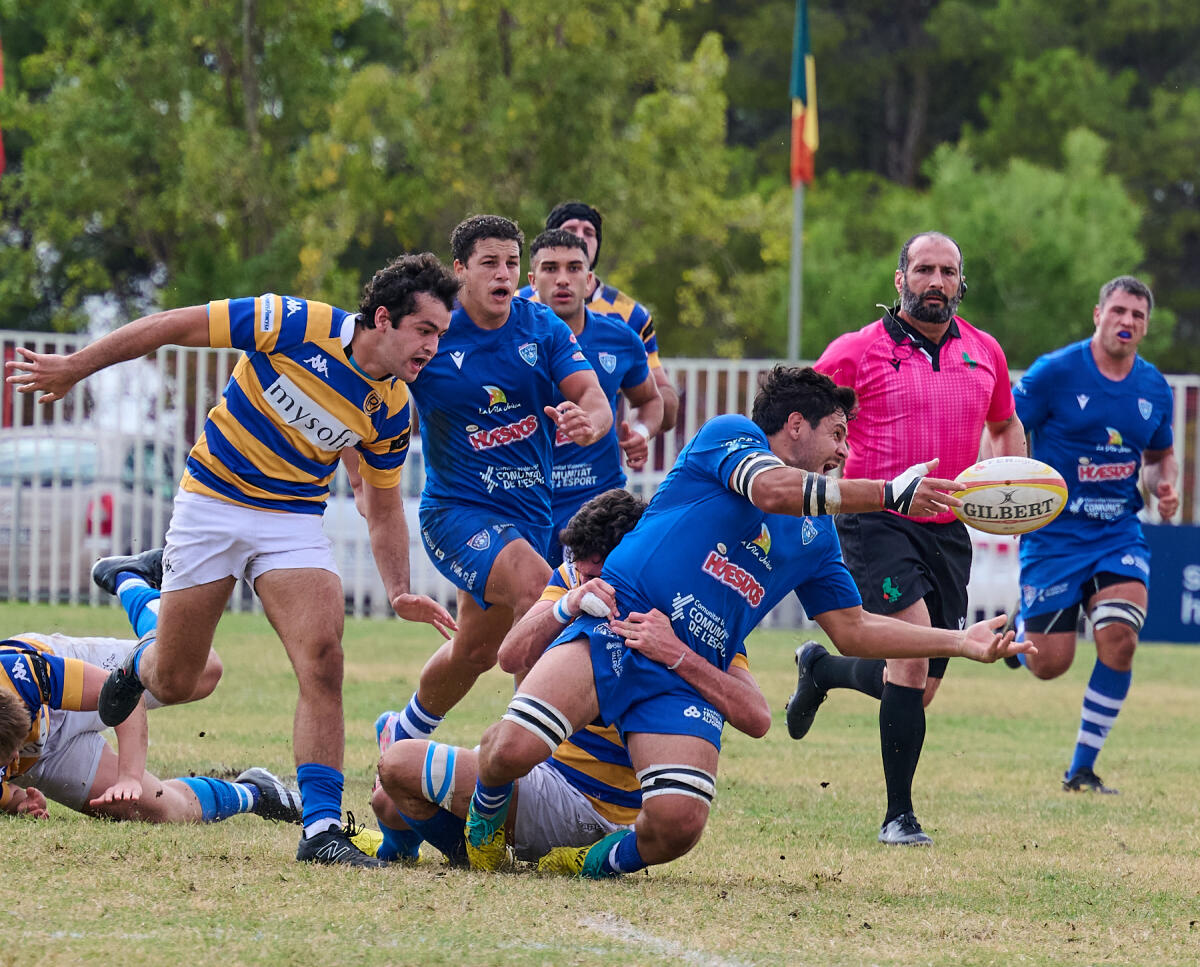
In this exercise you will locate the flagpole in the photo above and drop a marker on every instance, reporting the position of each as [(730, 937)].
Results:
[(796, 295)]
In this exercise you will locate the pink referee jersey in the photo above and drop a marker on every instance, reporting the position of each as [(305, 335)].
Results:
[(917, 400)]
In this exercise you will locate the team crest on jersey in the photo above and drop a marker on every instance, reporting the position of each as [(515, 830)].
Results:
[(608, 361), (528, 352), (481, 541), (1145, 407), (808, 532), (372, 403)]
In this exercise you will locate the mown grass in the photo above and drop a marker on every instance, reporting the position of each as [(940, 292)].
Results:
[(788, 873)]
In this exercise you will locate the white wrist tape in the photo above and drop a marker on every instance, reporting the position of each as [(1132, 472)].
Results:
[(591, 604), (561, 614)]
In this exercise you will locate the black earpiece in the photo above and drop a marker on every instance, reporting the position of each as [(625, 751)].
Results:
[(962, 287)]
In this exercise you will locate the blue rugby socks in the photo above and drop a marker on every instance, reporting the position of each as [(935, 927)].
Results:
[(139, 600), (220, 799), (1102, 701), (321, 796)]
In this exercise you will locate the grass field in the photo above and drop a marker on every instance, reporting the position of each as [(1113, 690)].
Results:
[(788, 872)]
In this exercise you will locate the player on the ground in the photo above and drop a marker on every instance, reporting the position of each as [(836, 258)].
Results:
[(561, 277), (585, 221), (928, 384), (48, 690), (585, 790), (1098, 413), (314, 380), (741, 521), (508, 373)]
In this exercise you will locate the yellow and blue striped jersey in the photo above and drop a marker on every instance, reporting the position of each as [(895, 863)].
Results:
[(294, 401), (42, 681)]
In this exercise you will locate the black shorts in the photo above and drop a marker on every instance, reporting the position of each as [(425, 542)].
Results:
[(897, 562)]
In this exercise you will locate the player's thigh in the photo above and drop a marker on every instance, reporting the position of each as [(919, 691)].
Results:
[(562, 677), (187, 623), (306, 609), (480, 630), (518, 577), (910, 672)]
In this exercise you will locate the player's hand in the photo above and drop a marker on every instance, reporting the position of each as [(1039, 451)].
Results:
[(420, 607), (46, 373), (574, 421), (595, 597), (1168, 499), (651, 634), (917, 494), (123, 790), (636, 446), (983, 641), (33, 805)]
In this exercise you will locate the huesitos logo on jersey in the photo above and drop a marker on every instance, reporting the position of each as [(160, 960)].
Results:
[(502, 436), (1098, 472), (732, 576)]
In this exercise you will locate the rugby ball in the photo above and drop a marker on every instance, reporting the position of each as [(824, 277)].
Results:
[(1010, 495)]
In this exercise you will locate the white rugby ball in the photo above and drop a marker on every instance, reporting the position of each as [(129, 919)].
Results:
[(1010, 495)]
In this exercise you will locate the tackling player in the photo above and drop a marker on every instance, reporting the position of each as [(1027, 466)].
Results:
[(742, 520)]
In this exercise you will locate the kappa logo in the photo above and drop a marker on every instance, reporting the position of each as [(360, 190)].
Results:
[(528, 352), (458, 358), (1145, 407), (319, 364), (1082, 400), (18, 672), (608, 361), (292, 305)]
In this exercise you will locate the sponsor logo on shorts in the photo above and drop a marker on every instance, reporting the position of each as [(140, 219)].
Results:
[(1100, 472), (528, 352), (709, 716), (739, 579), (502, 436), (1136, 560), (1030, 594), (891, 590), (480, 541)]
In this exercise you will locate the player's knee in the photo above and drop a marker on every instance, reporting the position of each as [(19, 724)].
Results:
[(1050, 664), (1116, 624), (174, 684), (507, 752), (319, 666), (675, 804), (213, 670)]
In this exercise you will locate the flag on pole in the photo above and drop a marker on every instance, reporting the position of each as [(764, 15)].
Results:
[(804, 101)]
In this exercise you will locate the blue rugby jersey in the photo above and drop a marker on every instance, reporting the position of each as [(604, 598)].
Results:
[(293, 402), (612, 303), (1092, 430), (713, 562), (485, 438), (619, 359), (42, 681)]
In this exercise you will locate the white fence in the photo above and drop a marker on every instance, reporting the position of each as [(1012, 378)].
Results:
[(93, 475)]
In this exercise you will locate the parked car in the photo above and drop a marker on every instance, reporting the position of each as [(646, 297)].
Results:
[(70, 496)]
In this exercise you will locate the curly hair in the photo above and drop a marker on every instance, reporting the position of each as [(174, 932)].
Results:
[(599, 525), (396, 285), (15, 724), (790, 389), (479, 227)]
